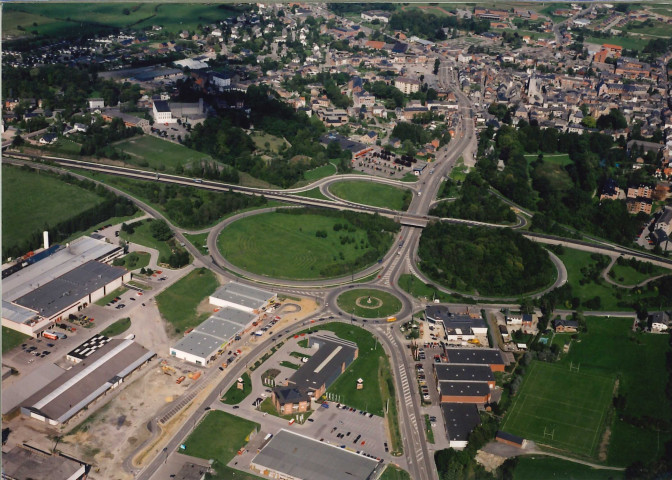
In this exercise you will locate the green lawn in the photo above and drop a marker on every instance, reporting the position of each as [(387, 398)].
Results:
[(629, 42), (419, 289), (32, 200), (409, 177), (117, 328), (199, 240), (557, 177), (562, 408), (313, 193), (291, 365), (627, 275), (659, 29), (142, 236), (394, 473), (152, 153), (178, 302), (611, 297), (253, 244), (459, 171), (428, 429), (561, 159), (107, 298), (373, 193), (11, 339), (65, 146), (208, 441), (234, 395), (382, 303), (274, 143), (319, 172), (134, 260), (530, 467)]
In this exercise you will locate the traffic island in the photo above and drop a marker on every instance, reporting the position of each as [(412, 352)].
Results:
[(369, 303)]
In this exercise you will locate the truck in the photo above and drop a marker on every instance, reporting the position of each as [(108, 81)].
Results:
[(60, 335), (50, 335)]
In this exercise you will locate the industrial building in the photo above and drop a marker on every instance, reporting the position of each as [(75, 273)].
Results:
[(86, 349), (445, 372), (458, 325), (242, 297), (460, 419), (477, 356), (76, 388), (332, 357), (25, 462), (64, 282), (464, 392), (290, 456)]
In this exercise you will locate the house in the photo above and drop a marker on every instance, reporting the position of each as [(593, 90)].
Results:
[(510, 439), (658, 321), (610, 190), (525, 319), (639, 204), (407, 85), (567, 326), (289, 400), (49, 138), (96, 103), (664, 221)]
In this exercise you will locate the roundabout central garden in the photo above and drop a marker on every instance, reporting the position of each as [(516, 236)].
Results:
[(300, 243), (369, 303)]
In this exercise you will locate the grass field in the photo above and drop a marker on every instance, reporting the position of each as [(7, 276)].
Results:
[(610, 295), (173, 17), (561, 159), (178, 302), (313, 193), (117, 328), (394, 473), (31, 200), (198, 240), (659, 29), (570, 406), (11, 339), (530, 467), (319, 172), (638, 360), (260, 140), (629, 42), (459, 171), (382, 303), (626, 275), (234, 395), (557, 177), (409, 177), (66, 147), (152, 153), (143, 236), (134, 260), (419, 289), (372, 193), (253, 244), (207, 440)]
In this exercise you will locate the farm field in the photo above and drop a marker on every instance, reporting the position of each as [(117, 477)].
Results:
[(374, 194), (207, 441), (150, 152), (529, 467), (178, 302), (638, 359), (51, 201), (561, 408), (253, 244), (382, 303)]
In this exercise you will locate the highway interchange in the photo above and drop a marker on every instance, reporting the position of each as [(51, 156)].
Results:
[(398, 260)]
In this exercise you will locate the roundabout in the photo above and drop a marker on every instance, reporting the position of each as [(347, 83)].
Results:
[(369, 303)]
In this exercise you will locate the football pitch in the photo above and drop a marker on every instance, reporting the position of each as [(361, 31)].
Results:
[(561, 407)]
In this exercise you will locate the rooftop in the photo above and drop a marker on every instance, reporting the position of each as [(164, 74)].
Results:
[(61, 292), (161, 106), (234, 315), (324, 366), (478, 356), (23, 463), (461, 373), (243, 295), (87, 348), (460, 419), (67, 258), (216, 327), (76, 388), (464, 389), (199, 344), (287, 453)]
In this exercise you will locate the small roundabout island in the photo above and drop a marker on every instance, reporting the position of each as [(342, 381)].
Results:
[(369, 303), (306, 244)]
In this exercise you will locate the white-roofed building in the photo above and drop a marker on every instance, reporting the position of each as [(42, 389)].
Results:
[(242, 297)]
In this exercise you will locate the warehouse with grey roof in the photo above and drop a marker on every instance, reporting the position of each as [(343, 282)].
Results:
[(291, 456)]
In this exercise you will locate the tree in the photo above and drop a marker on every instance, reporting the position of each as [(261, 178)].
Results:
[(589, 122), (437, 64), (527, 305), (160, 230)]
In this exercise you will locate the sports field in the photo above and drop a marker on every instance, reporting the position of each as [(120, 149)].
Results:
[(286, 246), (372, 193), (561, 408), (154, 153)]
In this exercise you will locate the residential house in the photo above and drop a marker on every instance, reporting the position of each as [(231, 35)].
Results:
[(567, 326), (49, 138)]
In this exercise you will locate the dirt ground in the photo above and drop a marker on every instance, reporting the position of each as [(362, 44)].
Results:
[(120, 426)]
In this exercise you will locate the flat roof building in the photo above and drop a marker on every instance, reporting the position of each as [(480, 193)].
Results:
[(86, 349), (291, 456), (78, 387), (197, 347), (332, 357), (241, 297), (28, 463), (477, 356), (444, 372), (460, 420), (464, 392)]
